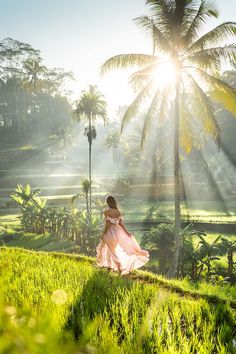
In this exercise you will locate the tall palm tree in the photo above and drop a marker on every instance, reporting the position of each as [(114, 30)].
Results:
[(195, 63), (90, 107)]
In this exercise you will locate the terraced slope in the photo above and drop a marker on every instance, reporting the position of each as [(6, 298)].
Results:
[(55, 303)]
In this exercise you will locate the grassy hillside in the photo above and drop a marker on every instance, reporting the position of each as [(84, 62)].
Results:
[(55, 303)]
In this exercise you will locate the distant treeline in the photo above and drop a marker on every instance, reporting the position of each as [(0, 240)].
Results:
[(33, 100)]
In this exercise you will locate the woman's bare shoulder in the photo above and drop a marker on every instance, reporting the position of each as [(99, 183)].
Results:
[(112, 213), (106, 211)]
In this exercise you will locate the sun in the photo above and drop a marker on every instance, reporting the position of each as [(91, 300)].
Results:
[(165, 73)]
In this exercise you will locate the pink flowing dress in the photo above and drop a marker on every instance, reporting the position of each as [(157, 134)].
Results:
[(118, 251)]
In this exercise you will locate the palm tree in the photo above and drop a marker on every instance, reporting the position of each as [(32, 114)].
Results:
[(195, 65), (63, 139), (112, 141), (34, 79), (85, 188), (90, 107)]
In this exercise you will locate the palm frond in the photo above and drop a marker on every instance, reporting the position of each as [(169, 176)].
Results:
[(197, 18), (186, 136), (220, 91), (161, 12), (182, 14), (159, 39), (133, 108), (153, 108), (124, 61), (202, 109), (213, 57), (91, 105), (140, 77), (165, 103), (220, 33)]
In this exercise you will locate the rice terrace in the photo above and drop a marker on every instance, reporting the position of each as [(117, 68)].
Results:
[(118, 177)]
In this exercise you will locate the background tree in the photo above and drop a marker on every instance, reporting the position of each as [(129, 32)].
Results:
[(62, 139), (90, 107), (112, 141), (32, 97), (34, 72), (194, 62)]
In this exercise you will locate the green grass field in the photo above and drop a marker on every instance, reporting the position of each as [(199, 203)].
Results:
[(55, 303)]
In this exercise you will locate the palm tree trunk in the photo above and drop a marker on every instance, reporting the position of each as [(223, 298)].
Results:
[(90, 166), (17, 115), (175, 259), (87, 203)]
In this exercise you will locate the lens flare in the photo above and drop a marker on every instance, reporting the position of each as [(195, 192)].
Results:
[(59, 297), (165, 74)]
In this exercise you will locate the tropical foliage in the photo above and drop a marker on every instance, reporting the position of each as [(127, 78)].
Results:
[(63, 223), (197, 254)]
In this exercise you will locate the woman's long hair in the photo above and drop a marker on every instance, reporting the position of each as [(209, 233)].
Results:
[(111, 202)]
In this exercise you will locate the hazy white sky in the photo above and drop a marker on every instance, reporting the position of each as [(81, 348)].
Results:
[(79, 35)]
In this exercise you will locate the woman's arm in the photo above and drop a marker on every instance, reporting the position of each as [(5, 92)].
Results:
[(124, 228), (105, 229), (107, 224)]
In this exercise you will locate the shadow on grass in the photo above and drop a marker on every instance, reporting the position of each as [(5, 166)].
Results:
[(99, 293)]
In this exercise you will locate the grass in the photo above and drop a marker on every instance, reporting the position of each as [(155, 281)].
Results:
[(55, 303), (213, 292)]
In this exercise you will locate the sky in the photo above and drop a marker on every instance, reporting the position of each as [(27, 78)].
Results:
[(79, 35)]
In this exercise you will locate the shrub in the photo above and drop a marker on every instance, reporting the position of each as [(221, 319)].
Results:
[(160, 242)]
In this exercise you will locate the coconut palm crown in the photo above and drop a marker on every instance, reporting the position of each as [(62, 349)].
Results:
[(174, 27), (91, 105)]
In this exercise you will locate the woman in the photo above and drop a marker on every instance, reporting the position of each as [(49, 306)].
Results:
[(118, 249)]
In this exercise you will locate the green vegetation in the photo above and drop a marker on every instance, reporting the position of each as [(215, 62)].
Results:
[(58, 303), (63, 223), (201, 257)]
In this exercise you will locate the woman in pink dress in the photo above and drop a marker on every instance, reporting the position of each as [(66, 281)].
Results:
[(118, 249)]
